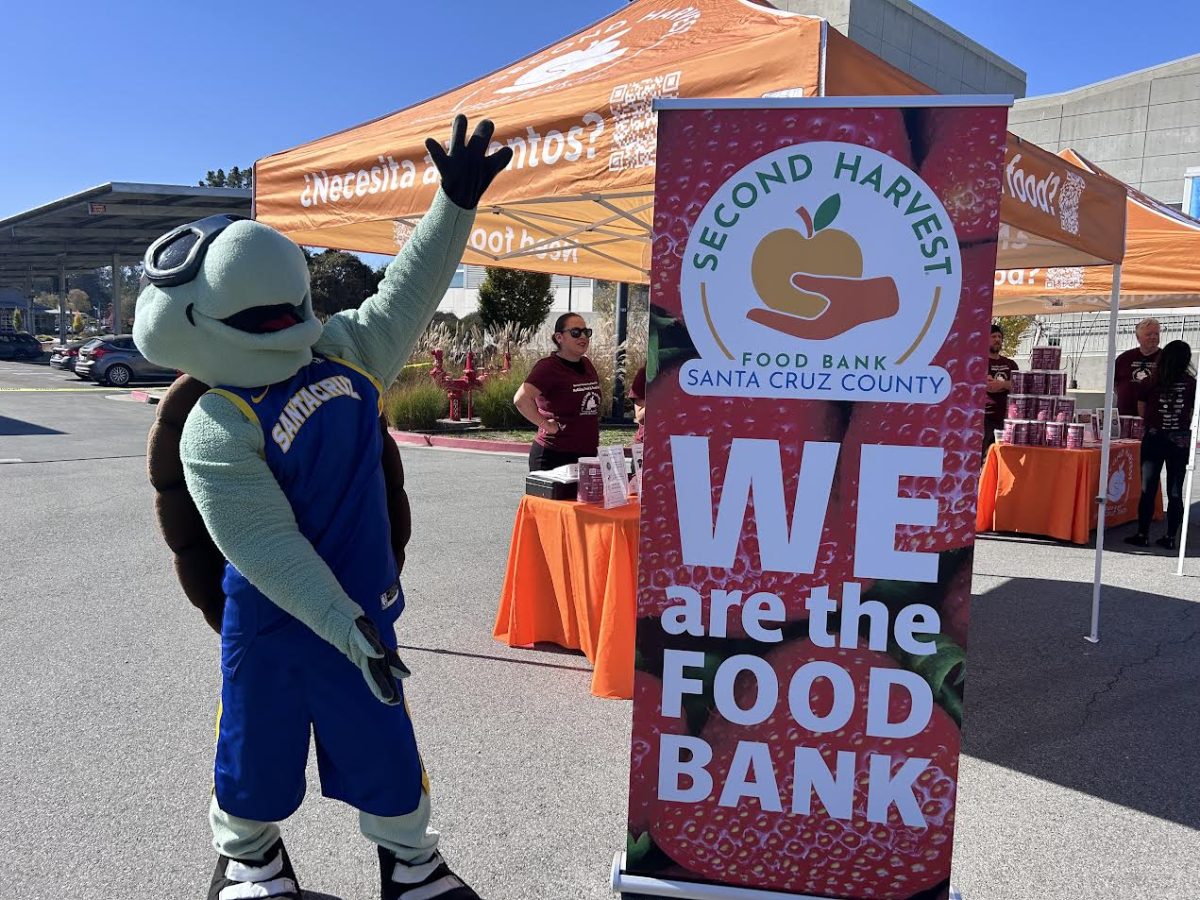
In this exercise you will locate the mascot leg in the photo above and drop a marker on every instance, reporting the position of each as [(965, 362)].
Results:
[(409, 863), (252, 861)]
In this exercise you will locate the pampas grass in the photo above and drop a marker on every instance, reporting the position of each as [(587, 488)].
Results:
[(493, 403), (415, 407)]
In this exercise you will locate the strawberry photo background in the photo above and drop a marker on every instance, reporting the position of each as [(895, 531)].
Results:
[(718, 741)]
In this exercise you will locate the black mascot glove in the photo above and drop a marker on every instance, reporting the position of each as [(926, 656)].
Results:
[(381, 666), (467, 170)]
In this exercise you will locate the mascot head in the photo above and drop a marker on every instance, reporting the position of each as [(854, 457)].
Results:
[(228, 302)]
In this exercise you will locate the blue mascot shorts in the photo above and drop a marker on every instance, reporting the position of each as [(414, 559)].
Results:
[(281, 681)]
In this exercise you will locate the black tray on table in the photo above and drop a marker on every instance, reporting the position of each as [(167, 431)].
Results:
[(550, 488)]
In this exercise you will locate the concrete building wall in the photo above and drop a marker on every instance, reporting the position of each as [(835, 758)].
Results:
[(1143, 128), (917, 43), (836, 12)]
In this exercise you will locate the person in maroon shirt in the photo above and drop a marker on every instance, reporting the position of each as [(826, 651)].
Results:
[(637, 393), (1000, 369), (561, 396), (1135, 366), (1166, 403)]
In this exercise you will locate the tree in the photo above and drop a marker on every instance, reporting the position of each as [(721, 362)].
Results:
[(235, 178), (340, 281), (453, 322), (513, 296), (90, 283), (18, 319), (77, 322), (78, 301), (1014, 327), (130, 281)]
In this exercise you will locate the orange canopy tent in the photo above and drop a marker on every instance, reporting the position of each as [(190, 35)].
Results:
[(578, 197), (1161, 267)]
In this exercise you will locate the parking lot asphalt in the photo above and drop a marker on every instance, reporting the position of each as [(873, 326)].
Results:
[(1079, 778)]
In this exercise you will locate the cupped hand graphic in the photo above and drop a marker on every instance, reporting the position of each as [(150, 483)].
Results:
[(849, 302)]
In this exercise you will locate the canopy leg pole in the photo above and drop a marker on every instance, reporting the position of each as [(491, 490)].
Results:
[(1187, 488), (1105, 448)]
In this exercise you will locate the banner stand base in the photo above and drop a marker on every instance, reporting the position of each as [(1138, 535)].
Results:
[(623, 883)]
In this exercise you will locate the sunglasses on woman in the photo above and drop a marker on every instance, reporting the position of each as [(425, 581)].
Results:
[(577, 332)]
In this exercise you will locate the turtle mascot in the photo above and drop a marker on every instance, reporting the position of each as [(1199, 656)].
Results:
[(283, 501)]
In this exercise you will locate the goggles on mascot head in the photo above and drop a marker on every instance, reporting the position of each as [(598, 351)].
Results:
[(175, 257)]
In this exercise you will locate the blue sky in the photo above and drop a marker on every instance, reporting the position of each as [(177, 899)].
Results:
[(161, 91)]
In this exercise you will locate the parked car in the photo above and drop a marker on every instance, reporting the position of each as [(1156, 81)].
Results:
[(116, 361), (64, 356), (19, 345), (30, 346)]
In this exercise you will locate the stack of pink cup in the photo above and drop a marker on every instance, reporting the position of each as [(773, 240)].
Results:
[(591, 481)]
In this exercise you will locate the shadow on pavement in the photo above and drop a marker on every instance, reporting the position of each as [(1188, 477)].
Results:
[(554, 649), (17, 428), (1117, 720)]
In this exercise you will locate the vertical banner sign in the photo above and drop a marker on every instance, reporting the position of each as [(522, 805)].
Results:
[(822, 288)]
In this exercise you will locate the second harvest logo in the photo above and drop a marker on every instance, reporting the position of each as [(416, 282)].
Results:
[(821, 271)]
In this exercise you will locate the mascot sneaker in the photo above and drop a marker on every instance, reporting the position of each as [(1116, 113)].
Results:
[(431, 880), (239, 879)]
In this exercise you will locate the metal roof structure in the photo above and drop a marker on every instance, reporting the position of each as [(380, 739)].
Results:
[(103, 224)]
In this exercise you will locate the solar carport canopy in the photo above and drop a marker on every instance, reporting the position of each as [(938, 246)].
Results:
[(112, 223)]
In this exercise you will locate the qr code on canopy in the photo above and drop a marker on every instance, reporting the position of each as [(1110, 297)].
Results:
[(634, 121), (1064, 277), (1068, 200)]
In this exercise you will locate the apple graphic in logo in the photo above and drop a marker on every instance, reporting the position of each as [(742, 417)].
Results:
[(820, 250), (812, 283)]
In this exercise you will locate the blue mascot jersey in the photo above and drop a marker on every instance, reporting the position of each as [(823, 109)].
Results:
[(323, 443)]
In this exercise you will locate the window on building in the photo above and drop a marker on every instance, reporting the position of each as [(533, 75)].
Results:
[(1191, 193), (459, 279)]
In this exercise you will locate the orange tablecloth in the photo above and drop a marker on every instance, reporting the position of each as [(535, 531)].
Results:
[(572, 581), (1052, 491)]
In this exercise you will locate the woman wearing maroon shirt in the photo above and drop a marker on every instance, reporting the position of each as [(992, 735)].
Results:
[(637, 393), (1167, 401), (561, 396)]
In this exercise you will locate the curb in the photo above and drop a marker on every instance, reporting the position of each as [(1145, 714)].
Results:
[(145, 396), (436, 440)]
